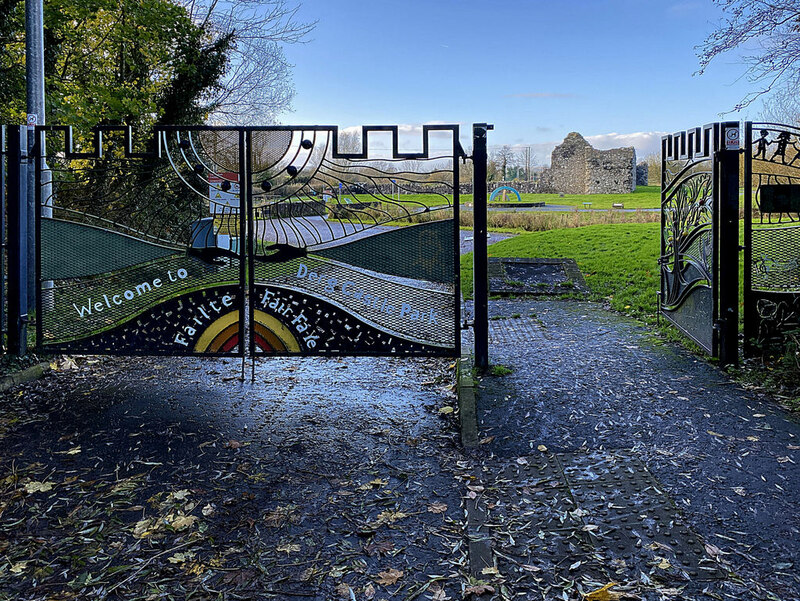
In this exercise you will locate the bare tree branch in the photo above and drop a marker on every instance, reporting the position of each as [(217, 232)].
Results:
[(769, 31), (257, 85)]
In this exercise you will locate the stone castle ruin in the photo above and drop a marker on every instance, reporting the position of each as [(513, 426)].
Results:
[(578, 168)]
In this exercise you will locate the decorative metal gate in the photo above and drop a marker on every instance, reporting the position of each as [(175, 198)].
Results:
[(772, 232), (688, 296), (265, 240)]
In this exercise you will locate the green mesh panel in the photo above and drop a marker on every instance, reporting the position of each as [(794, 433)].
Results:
[(423, 252), (72, 250)]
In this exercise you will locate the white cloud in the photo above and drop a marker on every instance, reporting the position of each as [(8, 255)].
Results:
[(645, 142), (409, 138)]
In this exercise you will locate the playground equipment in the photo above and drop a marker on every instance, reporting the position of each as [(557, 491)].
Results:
[(505, 190)]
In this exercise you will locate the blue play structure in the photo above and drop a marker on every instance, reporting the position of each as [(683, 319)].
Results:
[(504, 190)]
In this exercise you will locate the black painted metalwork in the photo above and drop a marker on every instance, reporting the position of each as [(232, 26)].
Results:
[(688, 296), (270, 240), (700, 236), (480, 253), (3, 237), (727, 223), (17, 186), (772, 234)]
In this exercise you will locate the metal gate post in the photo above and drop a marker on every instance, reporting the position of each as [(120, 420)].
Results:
[(480, 252), (18, 240), (728, 216), (750, 314)]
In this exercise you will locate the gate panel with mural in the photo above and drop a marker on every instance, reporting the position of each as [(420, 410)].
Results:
[(290, 238), (354, 247), (137, 255), (688, 236), (772, 233)]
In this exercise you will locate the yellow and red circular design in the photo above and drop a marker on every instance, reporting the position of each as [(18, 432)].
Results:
[(270, 334)]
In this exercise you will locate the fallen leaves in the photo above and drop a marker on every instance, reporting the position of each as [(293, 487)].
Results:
[(181, 522), (604, 593), (379, 547), (19, 567), (34, 487), (145, 528), (478, 589), (181, 557), (374, 484), (148, 527), (390, 576), (390, 517), (437, 507)]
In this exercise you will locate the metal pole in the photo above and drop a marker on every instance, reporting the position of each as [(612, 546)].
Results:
[(728, 251), (34, 66), (750, 314), (17, 240), (480, 253), (3, 238)]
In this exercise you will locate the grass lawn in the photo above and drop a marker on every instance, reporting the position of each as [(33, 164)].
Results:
[(408, 200), (618, 261), (645, 197)]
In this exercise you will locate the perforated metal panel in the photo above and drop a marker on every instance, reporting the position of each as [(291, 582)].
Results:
[(202, 237), (772, 233)]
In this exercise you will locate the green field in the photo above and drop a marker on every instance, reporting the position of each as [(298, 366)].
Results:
[(645, 197), (619, 262)]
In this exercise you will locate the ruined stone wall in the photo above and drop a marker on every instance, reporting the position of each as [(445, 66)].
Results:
[(611, 171), (567, 172), (641, 174), (577, 168)]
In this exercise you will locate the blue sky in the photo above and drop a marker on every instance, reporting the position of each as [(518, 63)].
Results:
[(620, 72)]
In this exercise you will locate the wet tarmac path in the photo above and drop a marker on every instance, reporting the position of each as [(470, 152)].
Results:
[(607, 456), (591, 388)]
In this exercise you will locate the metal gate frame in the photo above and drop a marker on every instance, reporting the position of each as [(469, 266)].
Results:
[(247, 230), (711, 323)]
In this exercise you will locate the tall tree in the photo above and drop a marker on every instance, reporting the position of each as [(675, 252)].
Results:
[(143, 62), (504, 157), (257, 85), (769, 31)]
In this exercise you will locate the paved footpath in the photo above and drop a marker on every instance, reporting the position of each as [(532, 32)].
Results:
[(609, 455)]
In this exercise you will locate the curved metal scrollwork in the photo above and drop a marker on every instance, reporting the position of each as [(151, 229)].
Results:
[(688, 251), (687, 235), (199, 239)]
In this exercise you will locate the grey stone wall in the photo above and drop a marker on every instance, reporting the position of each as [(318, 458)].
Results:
[(567, 172), (577, 168), (641, 174)]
